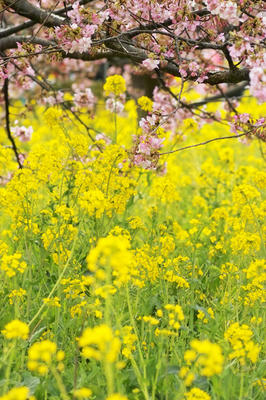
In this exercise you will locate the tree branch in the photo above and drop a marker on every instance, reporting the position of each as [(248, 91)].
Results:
[(124, 49), (6, 98), (36, 14), (234, 92), (11, 43), (28, 24), (203, 143)]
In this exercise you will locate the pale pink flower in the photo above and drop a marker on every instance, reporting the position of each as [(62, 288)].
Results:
[(114, 105), (84, 98), (150, 64), (21, 132), (258, 83)]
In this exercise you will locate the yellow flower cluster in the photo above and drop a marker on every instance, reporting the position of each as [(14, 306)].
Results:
[(129, 340), (115, 84), (104, 185), (206, 316), (52, 241), (16, 329), (100, 343), (255, 287), (168, 245), (197, 394), (52, 302), (145, 103), (116, 396), (42, 354), (136, 223), (150, 320), (206, 356), (16, 293), (11, 264), (244, 193), (239, 336), (111, 259), (82, 393), (20, 393), (175, 315)]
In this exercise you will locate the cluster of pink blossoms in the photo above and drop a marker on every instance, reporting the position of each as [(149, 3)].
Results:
[(21, 132), (145, 153), (54, 99), (83, 98), (77, 37), (227, 10), (243, 123), (258, 81)]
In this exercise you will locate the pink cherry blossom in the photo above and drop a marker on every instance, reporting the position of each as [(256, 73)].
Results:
[(114, 105), (21, 132), (150, 64)]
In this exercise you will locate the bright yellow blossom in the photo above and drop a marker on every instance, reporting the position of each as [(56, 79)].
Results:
[(82, 393), (100, 343), (240, 338), (115, 84), (207, 357), (116, 396), (42, 354), (197, 394), (16, 329), (19, 393), (145, 103)]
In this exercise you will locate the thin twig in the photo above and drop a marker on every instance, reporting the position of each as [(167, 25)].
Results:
[(203, 143), (6, 98)]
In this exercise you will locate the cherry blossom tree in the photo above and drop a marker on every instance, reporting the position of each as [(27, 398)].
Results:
[(218, 46)]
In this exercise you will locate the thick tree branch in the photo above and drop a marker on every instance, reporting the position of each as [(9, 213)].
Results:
[(137, 55), (36, 14), (11, 43), (213, 78), (17, 28), (28, 24), (234, 92)]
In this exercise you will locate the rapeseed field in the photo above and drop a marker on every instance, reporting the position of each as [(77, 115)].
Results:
[(122, 283)]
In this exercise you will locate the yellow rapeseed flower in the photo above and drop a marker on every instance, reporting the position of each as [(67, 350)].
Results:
[(52, 302), (113, 251), (239, 336), (115, 84), (197, 394), (82, 393), (20, 393), (100, 343), (16, 329), (11, 264), (145, 103), (16, 293), (116, 396), (42, 354), (207, 357)]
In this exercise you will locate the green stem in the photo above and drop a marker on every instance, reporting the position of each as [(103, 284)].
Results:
[(110, 173), (257, 223), (9, 365), (57, 282), (142, 381), (241, 386), (109, 375), (158, 367), (60, 383), (115, 120)]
